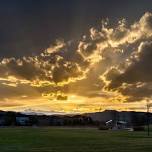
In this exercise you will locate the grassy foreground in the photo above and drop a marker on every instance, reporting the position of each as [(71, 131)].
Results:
[(72, 140)]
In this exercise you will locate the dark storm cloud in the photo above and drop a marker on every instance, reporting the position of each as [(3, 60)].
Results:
[(140, 69), (52, 65), (137, 91), (11, 91), (112, 57), (29, 26), (63, 72), (21, 68), (137, 75), (87, 48)]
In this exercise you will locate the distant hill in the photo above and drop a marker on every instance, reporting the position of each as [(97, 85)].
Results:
[(131, 117)]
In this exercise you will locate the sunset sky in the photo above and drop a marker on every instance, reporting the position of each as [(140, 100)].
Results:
[(75, 56)]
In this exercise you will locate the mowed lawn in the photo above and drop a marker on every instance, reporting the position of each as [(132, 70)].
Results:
[(72, 140)]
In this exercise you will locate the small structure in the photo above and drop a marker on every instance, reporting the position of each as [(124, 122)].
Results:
[(109, 124), (120, 125), (23, 121), (116, 125)]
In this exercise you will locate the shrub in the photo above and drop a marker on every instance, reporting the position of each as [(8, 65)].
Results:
[(103, 127), (139, 128)]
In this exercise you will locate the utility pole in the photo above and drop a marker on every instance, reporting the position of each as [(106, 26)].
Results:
[(148, 123)]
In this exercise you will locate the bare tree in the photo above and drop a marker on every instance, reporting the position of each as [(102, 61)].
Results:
[(148, 116)]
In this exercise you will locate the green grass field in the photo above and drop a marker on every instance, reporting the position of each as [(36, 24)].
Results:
[(72, 140)]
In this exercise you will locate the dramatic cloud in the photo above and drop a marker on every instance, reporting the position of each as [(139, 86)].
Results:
[(136, 79), (112, 65)]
